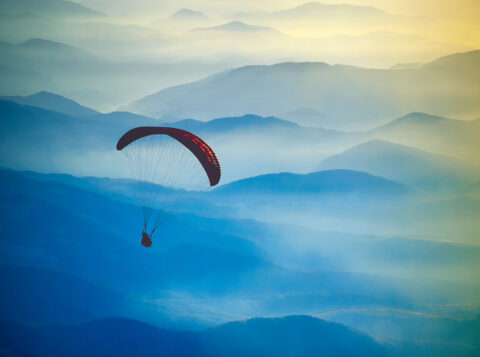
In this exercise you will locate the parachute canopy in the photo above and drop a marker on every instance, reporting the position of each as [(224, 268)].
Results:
[(204, 153), (162, 157)]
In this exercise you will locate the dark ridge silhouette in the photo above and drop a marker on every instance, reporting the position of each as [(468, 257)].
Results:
[(289, 336), (99, 240), (301, 336), (36, 295)]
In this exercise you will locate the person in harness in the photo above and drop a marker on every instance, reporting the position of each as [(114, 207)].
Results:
[(147, 238)]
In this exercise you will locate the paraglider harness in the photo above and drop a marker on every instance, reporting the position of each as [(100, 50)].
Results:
[(146, 238)]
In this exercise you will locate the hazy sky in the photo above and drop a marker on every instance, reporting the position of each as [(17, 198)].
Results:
[(458, 9), (455, 21)]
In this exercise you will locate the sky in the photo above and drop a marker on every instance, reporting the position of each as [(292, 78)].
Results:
[(445, 20), (462, 9)]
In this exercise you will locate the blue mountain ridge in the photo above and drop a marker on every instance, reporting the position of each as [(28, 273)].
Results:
[(298, 335), (49, 134), (35, 296), (245, 122), (96, 240), (328, 182), (372, 94), (426, 125), (113, 228), (409, 165), (218, 218), (190, 255), (32, 129), (292, 335), (22, 81), (59, 104), (86, 222), (53, 102)]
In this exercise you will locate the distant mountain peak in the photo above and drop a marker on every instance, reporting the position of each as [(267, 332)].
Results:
[(237, 26), (254, 119), (283, 66), (403, 163), (311, 5), (463, 60), (238, 90), (188, 14), (383, 147), (48, 45), (409, 65), (245, 122), (188, 121), (419, 118), (44, 93), (40, 42), (314, 6), (54, 102)]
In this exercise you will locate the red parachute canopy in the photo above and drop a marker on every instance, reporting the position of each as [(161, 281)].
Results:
[(202, 151)]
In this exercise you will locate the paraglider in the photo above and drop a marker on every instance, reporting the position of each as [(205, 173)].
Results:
[(171, 157), (146, 238)]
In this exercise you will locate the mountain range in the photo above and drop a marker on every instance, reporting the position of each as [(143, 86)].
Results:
[(181, 21), (48, 8), (406, 164), (249, 40), (47, 130), (40, 55), (92, 253), (72, 70), (275, 238), (20, 81), (188, 14), (62, 105), (372, 94), (235, 26), (66, 298), (86, 222), (346, 219), (322, 182), (441, 135), (53, 102), (308, 14), (310, 337), (238, 124)]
